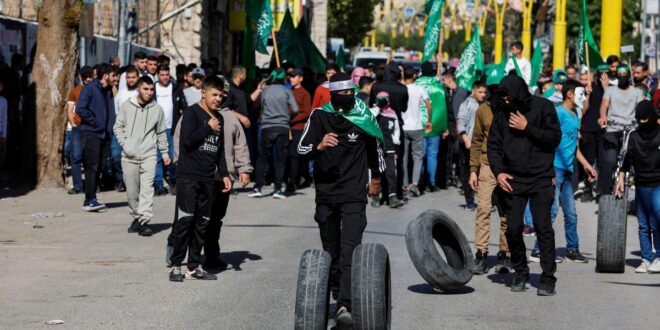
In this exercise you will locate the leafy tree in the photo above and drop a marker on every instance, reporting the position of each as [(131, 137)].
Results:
[(350, 19)]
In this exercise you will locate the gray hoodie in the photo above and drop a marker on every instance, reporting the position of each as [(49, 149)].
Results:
[(141, 130), (466, 116)]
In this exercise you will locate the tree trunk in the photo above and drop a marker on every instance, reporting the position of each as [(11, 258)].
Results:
[(54, 67)]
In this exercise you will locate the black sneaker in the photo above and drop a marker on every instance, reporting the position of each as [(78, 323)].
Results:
[(375, 201), (145, 230), (480, 263), (120, 187), (519, 284), (576, 256), (161, 191), (75, 191), (535, 256), (503, 263), (200, 274), (135, 226), (414, 190), (176, 275), (587, 197), (434, 189), (546, 290), (395, 202)]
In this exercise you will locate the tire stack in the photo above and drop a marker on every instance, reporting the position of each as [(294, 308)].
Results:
[(444, 274)]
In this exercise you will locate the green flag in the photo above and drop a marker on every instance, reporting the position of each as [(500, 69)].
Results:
[(340, 58), (471, 61), (313, 56), (537, 62), (515, 64), (259, 11), (428, 5), (585, 37), (437, 97), (360, 116), (432, 29), (249, 60), (288, 43)]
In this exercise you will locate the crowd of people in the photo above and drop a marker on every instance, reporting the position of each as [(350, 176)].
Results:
[(521, 147)]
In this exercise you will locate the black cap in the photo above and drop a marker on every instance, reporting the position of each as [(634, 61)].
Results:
[(296, 72)]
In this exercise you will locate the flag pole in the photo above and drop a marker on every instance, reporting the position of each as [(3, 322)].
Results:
[(277, 53), (586, 52), (440, 35)]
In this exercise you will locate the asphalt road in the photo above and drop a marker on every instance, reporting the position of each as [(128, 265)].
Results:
[(86, 270)]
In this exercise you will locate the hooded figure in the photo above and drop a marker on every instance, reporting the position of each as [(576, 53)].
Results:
[(521, 150), (643, 153), (342, 138)]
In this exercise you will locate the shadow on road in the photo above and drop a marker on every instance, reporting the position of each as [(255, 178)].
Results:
[(634, 263), (116, 205), (158, 227), (306, 227), (506, 279), (236, 258), (636, 284), (425, 288)]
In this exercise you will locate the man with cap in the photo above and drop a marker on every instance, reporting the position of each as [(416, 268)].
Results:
[(193, 94), (304, 101), (343, 139), (554, 94), (617, 111), (276, 100), (521, 150)]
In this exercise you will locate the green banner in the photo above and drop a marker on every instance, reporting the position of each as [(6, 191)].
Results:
[(259, 11), (537, 62), (437, 97), (471, 61), (360, 116), (340, 58), (433, 25), (585, 38)]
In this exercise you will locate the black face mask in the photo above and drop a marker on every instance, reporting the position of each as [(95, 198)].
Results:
[(645, 110), (624, 82), (381, 103), (343, 102), (638, 81)]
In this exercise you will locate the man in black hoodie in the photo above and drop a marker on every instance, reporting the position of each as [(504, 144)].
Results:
[(521, 151), (398, 92)]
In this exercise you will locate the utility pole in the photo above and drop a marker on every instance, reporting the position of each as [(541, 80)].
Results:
[(559, 50), (121, 40), (610, 33)]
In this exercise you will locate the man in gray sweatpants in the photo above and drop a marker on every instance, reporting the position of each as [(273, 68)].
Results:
[(140, 130)]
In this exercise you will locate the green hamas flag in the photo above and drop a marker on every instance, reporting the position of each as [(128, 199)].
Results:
[(515, 64), (432, 29), (249, 60), (360, 116), (537, 62), (288, 43), (437, 96), (259, 11), (340, 58), (313, 56), (428, 5), (585, 36), (471, 61)]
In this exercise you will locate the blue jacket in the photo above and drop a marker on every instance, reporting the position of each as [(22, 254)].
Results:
[(96, 108)]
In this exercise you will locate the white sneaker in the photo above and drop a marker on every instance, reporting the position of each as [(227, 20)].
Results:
[(255, 193), (644, 267), (655, 266)]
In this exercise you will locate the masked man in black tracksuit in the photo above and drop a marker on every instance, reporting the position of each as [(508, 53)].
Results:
[(343, 139), (521, 150)]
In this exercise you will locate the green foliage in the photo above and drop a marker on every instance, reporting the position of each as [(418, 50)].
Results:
[(350, 19)]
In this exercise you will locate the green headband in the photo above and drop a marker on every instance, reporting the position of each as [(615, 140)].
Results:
[(603, 67), (624, 68), (276, 75)]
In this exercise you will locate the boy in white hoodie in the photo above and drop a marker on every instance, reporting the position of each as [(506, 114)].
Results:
[(140, 130)]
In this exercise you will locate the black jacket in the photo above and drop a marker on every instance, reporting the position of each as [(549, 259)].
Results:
[(340, 173), (526, 155), (201, 150), (398, 91), (644, 156), (387, 126)]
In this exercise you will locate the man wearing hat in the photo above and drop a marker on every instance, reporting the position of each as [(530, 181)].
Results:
[(343, 139), (616, 112), (193, 94), (276, 100)]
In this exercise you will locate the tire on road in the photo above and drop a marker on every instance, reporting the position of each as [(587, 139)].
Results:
[(371, 301), (431, 227), (312, 292), (611, 234)]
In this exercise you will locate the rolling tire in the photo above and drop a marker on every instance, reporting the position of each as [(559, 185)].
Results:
[(441, 274), (312, 292), (611, 235), (371, 301)]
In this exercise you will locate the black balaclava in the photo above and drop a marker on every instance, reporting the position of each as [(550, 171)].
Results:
[(646, 110), (624, 83), (427, 69), (340, 82)]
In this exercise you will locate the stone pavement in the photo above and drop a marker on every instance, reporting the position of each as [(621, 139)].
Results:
[(85, 269)]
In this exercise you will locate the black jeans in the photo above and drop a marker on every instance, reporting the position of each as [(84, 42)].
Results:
[(541, 195), (341, 227), (589, 145), (194, 200), (95, 151), (218, 212), (389, 179), (297, 165), (608, 152), (464, 172), (277, 138)]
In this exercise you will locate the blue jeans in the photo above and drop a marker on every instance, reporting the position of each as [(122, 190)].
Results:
[(171, 169), (74, 152), (564, 197), (115, 150), (431, 145), (528, 216), (647, 205)]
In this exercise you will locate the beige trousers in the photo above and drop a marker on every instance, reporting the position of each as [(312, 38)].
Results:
[(487, 184)]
